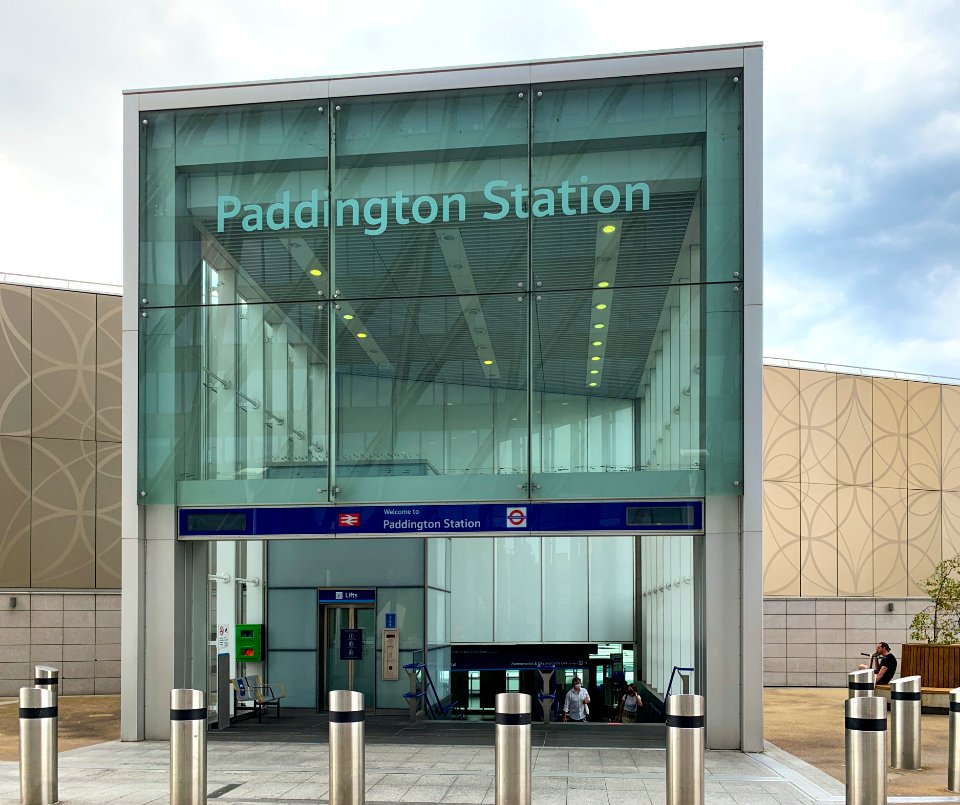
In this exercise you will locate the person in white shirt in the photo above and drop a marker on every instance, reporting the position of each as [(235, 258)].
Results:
[(630, 703), (575, 705)]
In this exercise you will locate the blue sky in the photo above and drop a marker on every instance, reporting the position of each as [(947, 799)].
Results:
[(861, 125)]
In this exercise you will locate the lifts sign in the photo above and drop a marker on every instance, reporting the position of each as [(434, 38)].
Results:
[(375, 215)]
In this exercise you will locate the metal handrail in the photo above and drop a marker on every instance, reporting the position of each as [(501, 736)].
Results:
[(220, 380), (842, 368), (253, 402)]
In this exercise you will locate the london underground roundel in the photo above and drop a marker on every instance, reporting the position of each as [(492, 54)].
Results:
[(517, 517)]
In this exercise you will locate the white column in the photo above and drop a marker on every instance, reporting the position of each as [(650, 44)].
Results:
[(221, 360), (299, 403), (251, 383)]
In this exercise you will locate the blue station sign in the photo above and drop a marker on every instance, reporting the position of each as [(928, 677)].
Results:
[(351, 644), (469, 519), (343, 596)]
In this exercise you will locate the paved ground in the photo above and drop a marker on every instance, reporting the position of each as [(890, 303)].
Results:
[(454, 766)]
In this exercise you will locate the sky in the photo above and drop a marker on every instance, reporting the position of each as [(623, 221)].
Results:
[(861, 131)]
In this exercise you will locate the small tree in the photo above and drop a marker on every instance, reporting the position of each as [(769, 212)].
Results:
[(940, 622)]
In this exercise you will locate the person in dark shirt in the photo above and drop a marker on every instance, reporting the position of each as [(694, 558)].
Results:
[(883, 663)]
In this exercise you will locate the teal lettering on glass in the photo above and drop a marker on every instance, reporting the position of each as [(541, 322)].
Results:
[(375, 213)]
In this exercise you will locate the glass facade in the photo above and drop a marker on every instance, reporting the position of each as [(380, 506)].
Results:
[(474, 295)]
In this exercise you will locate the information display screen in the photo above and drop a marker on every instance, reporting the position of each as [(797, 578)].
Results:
[(207, 523), (679, 514)]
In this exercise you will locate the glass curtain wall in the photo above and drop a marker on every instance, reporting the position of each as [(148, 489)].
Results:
[(474, 295)]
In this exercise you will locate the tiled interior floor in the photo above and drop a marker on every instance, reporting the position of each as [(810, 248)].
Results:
[(252, 772)]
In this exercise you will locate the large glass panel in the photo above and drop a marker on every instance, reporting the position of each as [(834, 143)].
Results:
[(297, 671), (611, 589), (233, 400), (244, 187), (471, 587), (565, 573), (345, 563), (517, 614), (291, 619), (430, 398), (426, 194), (617, 390)]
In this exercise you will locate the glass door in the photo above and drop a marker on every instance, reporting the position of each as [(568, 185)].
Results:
[(344, 674)]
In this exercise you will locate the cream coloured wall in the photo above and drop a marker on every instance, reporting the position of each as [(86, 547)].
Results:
[(861, 483)]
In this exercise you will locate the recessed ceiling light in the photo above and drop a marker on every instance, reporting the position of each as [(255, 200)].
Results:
[(348, 316), (601, 306), (598, 343), (609, 229), (595, 358), (361, 335), (594, 371), (315, 272), (488, 363), (598, 326), (592, 385), (603, 284)]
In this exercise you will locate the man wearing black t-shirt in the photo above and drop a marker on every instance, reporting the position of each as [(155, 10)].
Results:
[(883, 663)]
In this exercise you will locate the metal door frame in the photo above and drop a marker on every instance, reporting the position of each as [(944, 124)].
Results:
[(322, 667)]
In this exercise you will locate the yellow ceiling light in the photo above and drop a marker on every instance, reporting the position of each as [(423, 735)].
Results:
[(603, 284), (598, 343), (592, 385), (594, 371), (488, 362), (601, 306), (598, 326), (361, 335), (609, 229), (347, 316), (595, 358), (316, 272)]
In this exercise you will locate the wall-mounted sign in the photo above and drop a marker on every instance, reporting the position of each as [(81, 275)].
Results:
[(344, 596), (469, 519), (351, 644)]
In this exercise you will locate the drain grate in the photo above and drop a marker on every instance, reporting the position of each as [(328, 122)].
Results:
[(226, 789)]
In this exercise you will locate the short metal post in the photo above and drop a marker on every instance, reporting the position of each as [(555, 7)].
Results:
[(38, 747), (46, 676), (188, 747), (347, 764), (513, 760), (861, 683), (685, 762), (953, 750), (905, 723), (866, 750)]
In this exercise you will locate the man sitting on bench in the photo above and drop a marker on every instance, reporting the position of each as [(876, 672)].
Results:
[(883, 663)]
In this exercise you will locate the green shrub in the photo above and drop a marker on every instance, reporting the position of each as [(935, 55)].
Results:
[(940, 622)]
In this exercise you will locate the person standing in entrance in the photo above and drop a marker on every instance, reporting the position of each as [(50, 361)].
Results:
[(630, 704), (883, 663), (575, 705)]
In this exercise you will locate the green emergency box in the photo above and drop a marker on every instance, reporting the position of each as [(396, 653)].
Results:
[(249, 642)]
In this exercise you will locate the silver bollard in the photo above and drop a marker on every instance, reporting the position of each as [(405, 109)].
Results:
[(685, 761), (188, 747), (46, 676), (866, 750), (953, 750), (347, 765), (38, 747), (861, 683), (905, 723), (513, 760)]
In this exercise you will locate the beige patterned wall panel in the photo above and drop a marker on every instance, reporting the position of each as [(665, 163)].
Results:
[(923, 428), (890, 433), (108, 515), (950, 512), (923, 537), (108, 368), (818, 427), (950, 425), (62, 521), (781, 538), (854, 430), (818, 539), (889, 542), (781, 424), (14, 360), (855, 540), (64, 364), (15, 505)]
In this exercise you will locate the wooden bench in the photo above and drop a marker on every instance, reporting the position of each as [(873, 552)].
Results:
[(937, 666)]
